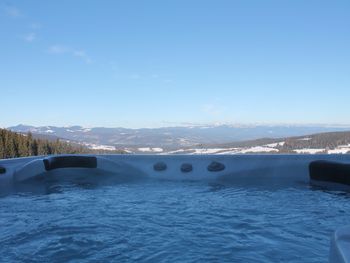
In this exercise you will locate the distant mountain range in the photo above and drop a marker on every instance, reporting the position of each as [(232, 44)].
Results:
[(183, 139), (320, 143)]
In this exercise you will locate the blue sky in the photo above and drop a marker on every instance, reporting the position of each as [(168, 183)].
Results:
[(161, 63)]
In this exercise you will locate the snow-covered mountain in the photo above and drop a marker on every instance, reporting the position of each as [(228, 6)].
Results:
[(171, 138), (320, 143)]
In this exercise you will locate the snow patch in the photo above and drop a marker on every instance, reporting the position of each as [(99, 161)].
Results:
[(100, 147), (341, 149), (207, 151), (176, 151), (309, 150), (258, 149), (149, 149), (272, 145)]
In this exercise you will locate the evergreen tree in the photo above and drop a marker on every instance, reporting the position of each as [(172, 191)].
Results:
[(19, 145)]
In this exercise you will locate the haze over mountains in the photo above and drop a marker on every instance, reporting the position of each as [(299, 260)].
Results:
[(178, 139)]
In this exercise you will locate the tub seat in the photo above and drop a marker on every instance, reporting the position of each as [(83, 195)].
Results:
[(90, 165), (329, 171)]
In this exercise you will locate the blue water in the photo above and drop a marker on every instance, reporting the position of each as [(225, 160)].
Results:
[(163, 221)]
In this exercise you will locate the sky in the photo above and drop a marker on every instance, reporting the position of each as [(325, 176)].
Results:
[(174, 62)]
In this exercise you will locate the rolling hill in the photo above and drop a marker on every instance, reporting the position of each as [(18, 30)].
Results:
[(223, 139)]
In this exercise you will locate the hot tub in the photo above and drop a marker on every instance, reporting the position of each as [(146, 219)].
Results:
[(251, 208)]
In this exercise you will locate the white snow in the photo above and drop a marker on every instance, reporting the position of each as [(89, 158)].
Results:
[(230, 151), (100, 147), (149, 149), (207, 151), (157, 149), (176, 151), (304, 139), (258, 149), (272, 145), (145, 149), (340, 149), (309, 150), (49, 131)]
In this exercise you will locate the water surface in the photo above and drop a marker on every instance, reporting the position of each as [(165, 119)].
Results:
[(164, 221)]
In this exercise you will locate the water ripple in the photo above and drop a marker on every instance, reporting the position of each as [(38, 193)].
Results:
[(170, 222)]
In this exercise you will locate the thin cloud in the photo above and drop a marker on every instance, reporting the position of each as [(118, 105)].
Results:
[(61, 49), (82, 55), (58, 49), (29, 37), (13, 11), (35, 26)]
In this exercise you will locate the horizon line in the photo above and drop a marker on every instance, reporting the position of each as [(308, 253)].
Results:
[(193, 125)]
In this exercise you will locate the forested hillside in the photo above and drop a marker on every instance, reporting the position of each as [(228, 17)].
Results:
[(18, 145), (322, 143)]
